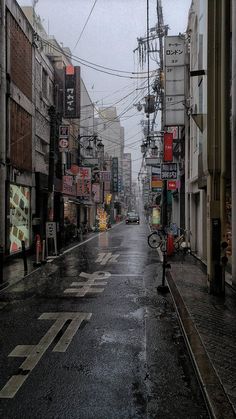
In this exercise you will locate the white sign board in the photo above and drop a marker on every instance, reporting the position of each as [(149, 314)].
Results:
[(51, 230), (174, 51), (174, 110)]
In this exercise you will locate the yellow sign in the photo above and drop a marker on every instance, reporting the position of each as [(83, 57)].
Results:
[(102, 220), (108, 198)]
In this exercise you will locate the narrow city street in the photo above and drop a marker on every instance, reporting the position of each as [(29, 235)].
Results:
[(89, 337)]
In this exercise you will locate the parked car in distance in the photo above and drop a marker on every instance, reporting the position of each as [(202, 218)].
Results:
[(132, 218)]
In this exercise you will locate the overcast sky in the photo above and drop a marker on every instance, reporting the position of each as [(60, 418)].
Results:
[(109, 39)]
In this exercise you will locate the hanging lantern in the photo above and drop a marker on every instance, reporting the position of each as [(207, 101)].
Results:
[(89, 149)]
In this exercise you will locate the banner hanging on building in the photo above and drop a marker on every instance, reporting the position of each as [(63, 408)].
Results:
[(115, 174), (96, 192), (84, 188), (72, 92), (168, 147), (68, 186)]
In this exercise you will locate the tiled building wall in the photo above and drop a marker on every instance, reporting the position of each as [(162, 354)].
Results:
[(21, 137), (20, 58)]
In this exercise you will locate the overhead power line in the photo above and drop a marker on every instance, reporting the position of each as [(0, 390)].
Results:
[(85, 63), (91, 11)]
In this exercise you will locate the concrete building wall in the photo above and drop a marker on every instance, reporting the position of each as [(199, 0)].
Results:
[(196, 152)]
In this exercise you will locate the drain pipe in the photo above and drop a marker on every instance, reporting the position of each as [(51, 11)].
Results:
[(2, 121), (233, 143)]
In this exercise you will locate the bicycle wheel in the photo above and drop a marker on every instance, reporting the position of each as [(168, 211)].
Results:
[(154, 240)]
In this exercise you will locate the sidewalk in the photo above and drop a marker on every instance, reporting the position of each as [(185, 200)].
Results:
[(13, 268), (209, 327)]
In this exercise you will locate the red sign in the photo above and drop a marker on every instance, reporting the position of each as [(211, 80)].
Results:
[(84, 187), (63, 143), (168, 147), (171, 185), (68, 186), (80, 172)]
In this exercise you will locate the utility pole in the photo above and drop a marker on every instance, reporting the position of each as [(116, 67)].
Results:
[(160, 26), (2, 121)]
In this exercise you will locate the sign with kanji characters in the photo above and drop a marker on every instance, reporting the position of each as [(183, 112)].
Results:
[(174, 50), (105, 176), (51, 230), (115, 178), (171, 185), (64, 131), (168, 147), (68, 185), (72, 92), (83, 173), (168, 171), (96, 192), (83, 187)]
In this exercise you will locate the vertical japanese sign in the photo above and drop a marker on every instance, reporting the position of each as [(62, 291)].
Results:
[(72, 92), (168, 147), (174, 80), (115, 174), (84, 182)]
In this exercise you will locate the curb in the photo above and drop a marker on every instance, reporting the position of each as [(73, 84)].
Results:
[(217, 401)]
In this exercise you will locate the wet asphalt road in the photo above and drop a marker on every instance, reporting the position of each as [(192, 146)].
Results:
[(90, 337)]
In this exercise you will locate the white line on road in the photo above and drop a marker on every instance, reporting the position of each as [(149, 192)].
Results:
[(135, 275), (33, 353), (85, 290)]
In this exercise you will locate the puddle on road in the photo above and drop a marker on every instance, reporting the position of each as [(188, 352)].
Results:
[(137, 314), (115, 337)]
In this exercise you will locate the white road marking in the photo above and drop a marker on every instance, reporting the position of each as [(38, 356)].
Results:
[(96, 275), (124, 275), (90, 286), (101, 256), (104, 258), (89, 282), (114, 258), (85, 290), (33, 353)]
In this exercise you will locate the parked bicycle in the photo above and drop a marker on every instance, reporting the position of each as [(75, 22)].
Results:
[(182, 241), (158, 238)]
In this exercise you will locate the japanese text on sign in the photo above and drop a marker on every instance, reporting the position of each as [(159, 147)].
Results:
[(168, 171)]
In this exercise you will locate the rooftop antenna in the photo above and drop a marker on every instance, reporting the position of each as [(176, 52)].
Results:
[(34, 2)]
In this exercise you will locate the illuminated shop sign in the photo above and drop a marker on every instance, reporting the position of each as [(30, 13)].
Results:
[(19, 217)]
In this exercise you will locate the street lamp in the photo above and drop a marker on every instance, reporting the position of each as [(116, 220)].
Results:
[(100, 147), (89, 148)]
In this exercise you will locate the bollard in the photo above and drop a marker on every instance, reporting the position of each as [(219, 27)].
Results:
[(24, 257), (1, 264), (43, 261)]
